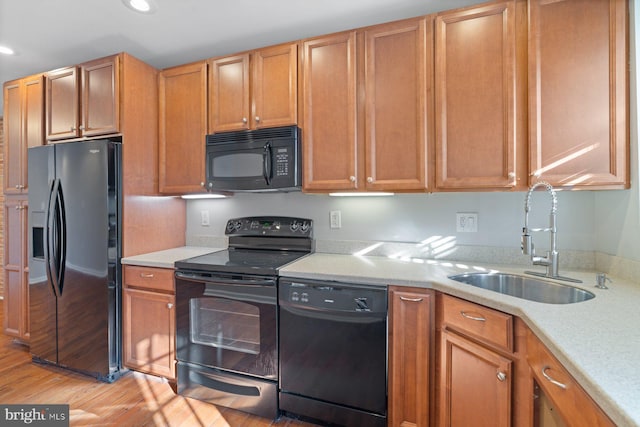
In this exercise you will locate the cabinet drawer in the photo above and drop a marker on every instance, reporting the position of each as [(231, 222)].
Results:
[(574, 404), (157, 279), (487, 325)]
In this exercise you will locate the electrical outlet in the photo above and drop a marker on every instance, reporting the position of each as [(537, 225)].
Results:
[(335, 219), (204, 218), (466, 222)]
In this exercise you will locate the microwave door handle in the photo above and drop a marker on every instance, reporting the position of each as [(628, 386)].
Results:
[(267, 163)]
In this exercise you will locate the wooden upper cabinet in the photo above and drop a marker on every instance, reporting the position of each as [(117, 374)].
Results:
[(24, 128), (183, 127), (275, 86), (398, 77), (100, 96), (230, 94), (62, 102), (254, 90), (330, 113), (578, 93), (83, 100), (475, 55)]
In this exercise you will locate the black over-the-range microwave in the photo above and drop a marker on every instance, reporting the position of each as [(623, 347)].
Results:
[(254, 160)]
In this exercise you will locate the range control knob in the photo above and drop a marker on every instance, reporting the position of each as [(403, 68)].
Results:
[(230, 225), (305, 227), (295, 225)]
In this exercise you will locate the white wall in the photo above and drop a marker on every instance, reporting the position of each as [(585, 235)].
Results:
[(412, 217)]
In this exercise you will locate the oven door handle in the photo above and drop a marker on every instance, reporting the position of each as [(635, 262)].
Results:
[(219, 280)]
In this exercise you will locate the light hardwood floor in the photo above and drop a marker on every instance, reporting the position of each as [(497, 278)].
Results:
[(133, 400)]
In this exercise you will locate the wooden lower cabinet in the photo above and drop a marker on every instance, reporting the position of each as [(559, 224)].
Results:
[(411, 331), (475, 384), (16, 271), (149, 321), (559, 399), (482, 378)]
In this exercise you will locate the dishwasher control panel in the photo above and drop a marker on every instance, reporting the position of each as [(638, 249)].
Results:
[(332, 296)]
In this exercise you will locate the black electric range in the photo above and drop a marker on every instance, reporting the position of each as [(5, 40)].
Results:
[(257, 245)]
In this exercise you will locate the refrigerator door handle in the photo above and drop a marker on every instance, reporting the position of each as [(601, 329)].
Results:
[(61, 250), (55, 245), (48, 238)]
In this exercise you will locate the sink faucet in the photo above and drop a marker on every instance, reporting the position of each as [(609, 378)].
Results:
[(550, 261)]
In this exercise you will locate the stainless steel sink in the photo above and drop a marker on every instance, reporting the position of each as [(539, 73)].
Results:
[(525, 287)]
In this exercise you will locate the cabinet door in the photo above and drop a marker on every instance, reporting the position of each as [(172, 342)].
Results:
[(13, 130), (183, 126), (275, 86), (329, 119), (101, 96), (411, 329), (475, 384), (149, 332), (560, 390), (475, 96), (397, 81), (16, 299), (62, 103), (23, 123), (578, 93), (229, 97)]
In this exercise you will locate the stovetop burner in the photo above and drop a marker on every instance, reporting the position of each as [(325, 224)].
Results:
[(257, 245)]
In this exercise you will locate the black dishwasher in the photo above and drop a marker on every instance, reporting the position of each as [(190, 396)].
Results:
[(333, 351)]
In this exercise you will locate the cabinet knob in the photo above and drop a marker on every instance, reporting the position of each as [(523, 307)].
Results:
[(511, 175), (244, 120), (352, 178), (501, 376), (73, 128), (257, 118), (81, 128), (201, 184), (369, 179), (169, 305), (17, 187)]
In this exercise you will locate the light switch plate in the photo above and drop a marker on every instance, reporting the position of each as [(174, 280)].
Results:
[(204, 218), (467, 222)]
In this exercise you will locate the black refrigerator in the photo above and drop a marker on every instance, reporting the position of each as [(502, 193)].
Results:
[(74, 256)]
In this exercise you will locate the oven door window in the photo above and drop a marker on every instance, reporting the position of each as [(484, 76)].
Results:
[(225, 324)]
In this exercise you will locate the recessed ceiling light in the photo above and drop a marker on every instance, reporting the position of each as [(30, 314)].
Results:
[(6, 50), (142, 6)]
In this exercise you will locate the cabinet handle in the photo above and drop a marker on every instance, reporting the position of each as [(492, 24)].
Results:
[(244, 120), (411, 299), (17, 187), (201, 184), (369, 179), (352, 178), (501, 376), (551, 380), (257, 119), (81, 128), (477, 318), (146, 275), (169, 305), (73, 128)]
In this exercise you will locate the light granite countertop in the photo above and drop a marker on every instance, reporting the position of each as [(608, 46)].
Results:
[(598, 340), (168, 257)]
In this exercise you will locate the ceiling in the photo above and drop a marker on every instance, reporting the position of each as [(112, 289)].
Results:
[(49, 34)]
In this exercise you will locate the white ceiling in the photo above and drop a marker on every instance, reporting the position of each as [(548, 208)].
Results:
[(48, 34)]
